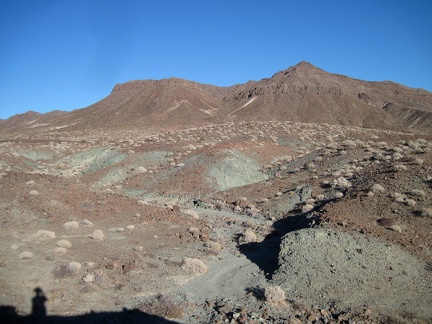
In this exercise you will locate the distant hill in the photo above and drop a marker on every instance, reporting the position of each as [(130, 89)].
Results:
[(302, 93)]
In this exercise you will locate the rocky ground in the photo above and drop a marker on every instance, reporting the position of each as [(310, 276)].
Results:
[(233, 223)]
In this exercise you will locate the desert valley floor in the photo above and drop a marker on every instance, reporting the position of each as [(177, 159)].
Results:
[(249, 222)]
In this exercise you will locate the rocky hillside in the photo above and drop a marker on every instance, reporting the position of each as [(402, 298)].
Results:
[(302, 93)]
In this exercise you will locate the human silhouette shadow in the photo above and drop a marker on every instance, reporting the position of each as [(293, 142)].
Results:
[(8, 314), (38, 306)]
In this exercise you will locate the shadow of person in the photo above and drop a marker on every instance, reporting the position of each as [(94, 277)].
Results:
[(38, 305)]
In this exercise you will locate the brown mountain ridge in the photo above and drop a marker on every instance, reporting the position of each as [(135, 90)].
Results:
[(302, 93)]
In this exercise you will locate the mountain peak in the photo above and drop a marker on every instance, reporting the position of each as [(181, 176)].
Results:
[(304, 64), (302, 92)]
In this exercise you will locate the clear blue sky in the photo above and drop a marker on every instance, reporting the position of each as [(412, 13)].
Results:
[(68, 54)]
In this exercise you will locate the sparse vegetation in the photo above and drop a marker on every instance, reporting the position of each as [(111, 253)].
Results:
[(98, 235), (275, 295), (161, 225), (247, 237), (194, 266), (378, 188)]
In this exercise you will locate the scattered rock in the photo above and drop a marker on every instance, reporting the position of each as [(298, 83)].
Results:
[(176, 209), (111, 266), (129, 266), (387, 222)]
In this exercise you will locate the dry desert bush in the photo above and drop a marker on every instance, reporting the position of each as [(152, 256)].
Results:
[(44, 234), (213, 247), (64, 244), (62, 271), (426, 212), (307, 208), (98, 235), (71, 225), (194, 266), (275, 295), (341, 182), (26, 255), (378, 188), (247, 237)]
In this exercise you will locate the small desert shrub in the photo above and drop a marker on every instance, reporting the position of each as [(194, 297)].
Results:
[(418, 161), (220, 205), (98, 235), (194, 266), (418, 192), (141, 169), (71, 225), (191, 213), (194, 231), (339, 194), (62, 271), (399, 197), (319, 197), (310, 201), (88, 278), (325, 183), (349, 143), (74, 266), (397, 156), (43, 234), (310, 166), (64, 244), (410, 202), (275, 295), (306, 208), (247, 237), (378, 188), (86, 222), (400, 167), (341, 182), (34, 193), (60, 250), (426, 212), (26, 255), (213, 247)]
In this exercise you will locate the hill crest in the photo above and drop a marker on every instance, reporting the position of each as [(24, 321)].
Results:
[(303, 93)]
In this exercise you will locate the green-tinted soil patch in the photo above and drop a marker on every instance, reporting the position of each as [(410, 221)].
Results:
[(235, 170)]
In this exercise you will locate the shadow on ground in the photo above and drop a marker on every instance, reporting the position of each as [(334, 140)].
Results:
[(265, 254), (8, 314)]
